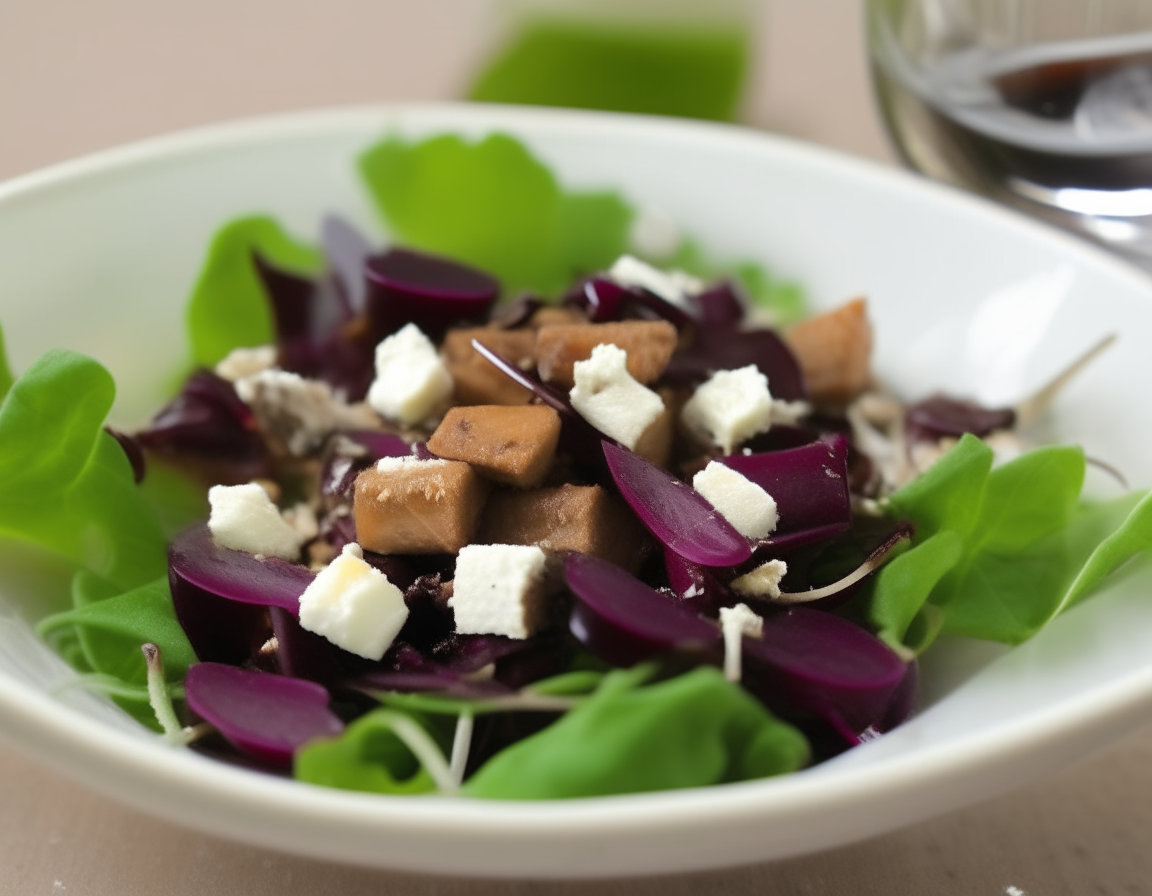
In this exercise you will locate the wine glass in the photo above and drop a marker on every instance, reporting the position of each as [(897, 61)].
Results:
[(1042, 104)]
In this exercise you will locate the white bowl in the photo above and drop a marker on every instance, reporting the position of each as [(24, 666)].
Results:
[(98, 255)]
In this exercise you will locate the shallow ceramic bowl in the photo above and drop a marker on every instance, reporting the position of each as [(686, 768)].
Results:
[(98, 255)]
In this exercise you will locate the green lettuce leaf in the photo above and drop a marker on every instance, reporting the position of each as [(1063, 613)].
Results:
[(368, 757), (493, 205), (6, 378), (1000, 552), (67, 484), (689, 731), (228, 307)]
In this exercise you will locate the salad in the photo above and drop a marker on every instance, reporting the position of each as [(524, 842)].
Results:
[(529, 517)]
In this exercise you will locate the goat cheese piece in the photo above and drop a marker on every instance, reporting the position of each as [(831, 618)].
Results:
[(499, 589), (298, 411), (730, 407), (353, 605), (735, 623), (242, 362), (674, 286), (654, 233), (763, 581), (747, 506), (411, 383), (244, 518), (610, 398)]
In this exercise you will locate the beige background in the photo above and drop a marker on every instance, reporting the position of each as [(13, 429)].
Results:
[(78, 76)]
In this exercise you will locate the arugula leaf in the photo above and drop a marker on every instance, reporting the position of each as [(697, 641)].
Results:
[(904, 583), (368, 756), (493, 205), (67, 484), (228, 307), (6, 378), (692, 730)]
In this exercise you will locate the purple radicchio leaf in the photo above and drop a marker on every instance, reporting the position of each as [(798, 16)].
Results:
[(346, 250), (207, 427)]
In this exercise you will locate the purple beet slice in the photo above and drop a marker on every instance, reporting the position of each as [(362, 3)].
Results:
[(221, 596), (726, 347), (263, 715), (809, 663), (720, 305), (696, 587), (346, 250), (809, 483), (623, 621), (941, 416), (434, 293), (674, 512)]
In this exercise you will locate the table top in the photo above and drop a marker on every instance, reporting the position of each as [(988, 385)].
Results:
[(80, 77)]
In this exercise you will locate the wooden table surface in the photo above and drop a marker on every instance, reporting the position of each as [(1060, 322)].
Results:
[(76, 77)]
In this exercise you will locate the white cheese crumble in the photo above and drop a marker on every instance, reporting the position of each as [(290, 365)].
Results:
[(735, 623), (242, 362), (763, 581), (411, 383), (302, 518), (730, 407), (353, 605), (654, 233), (244, 518), (497, 589), (676, 287), (408, 462), (299, 411), (748, 507), (610, 398)]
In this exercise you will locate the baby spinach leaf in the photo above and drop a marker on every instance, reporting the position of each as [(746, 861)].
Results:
[(692, 730), (111, 630), (949, 494), (1132, 537), (228, 307), (903, 584), (493, 205), (67, 484), (6, 378), (368, 756)]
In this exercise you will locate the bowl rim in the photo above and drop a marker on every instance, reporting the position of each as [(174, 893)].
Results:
[(102, 757)]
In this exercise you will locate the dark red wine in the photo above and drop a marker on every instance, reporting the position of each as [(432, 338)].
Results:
[(1048, 118)]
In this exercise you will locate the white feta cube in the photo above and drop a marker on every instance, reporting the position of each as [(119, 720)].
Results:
[(730, 407), (763, 581), (674, 286), (242, 362), (747, 506), (353, 605), (610, 398), (243, 518), (735, 623), (412, 383), (499, 589), (298, 411)]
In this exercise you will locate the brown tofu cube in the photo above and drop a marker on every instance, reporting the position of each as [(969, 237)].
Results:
[(649, 344), (477, 380), (554, 315), (512, 445), (834, 351), (417, 507), (584, 518)]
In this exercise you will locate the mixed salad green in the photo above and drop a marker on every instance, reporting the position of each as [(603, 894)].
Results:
[(967, 547)]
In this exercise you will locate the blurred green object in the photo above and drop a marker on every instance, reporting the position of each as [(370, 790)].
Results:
[(662, 63)]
